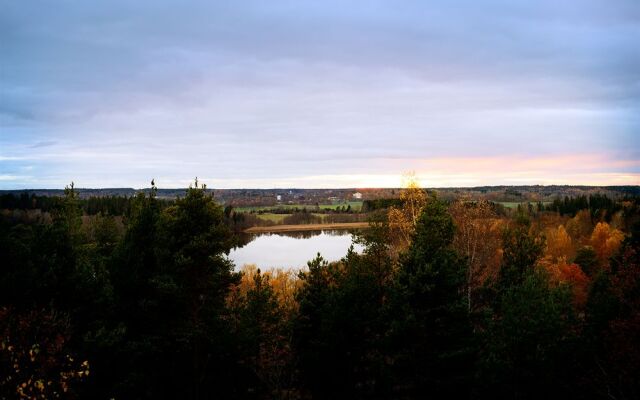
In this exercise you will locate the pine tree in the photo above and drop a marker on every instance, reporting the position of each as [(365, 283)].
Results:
[(430, 332)]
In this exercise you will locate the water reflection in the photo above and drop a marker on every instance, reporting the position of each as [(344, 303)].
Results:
[(246, 238), (291, 249)]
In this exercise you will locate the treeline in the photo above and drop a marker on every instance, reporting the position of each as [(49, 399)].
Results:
[(445, 301), (238, 221), (378, 204), (597, 204), (109, 205)]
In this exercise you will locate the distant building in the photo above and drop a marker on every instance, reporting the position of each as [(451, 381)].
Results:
[(279, 197), (357, 195)]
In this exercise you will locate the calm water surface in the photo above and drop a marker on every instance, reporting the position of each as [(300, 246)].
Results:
[(291, 249)]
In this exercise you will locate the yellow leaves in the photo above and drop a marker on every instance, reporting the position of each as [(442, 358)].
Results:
[(605, 241), (403, 220), (413, 198), (559, 244), (283, 282), (580, 226), (400, 224), (33, 378)]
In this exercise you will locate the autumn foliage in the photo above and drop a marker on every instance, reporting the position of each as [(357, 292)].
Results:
[(35, 360), (449, 298), (606, 241), (403, 219)]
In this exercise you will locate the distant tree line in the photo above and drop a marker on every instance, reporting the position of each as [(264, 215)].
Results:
[(596, 203), (109, 205), (378, 204)]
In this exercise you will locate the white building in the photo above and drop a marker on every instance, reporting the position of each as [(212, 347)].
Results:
[(357, 195)]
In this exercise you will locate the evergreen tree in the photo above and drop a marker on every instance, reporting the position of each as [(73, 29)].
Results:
[(264, 340), (529, 341), (430, 337), (192, 285), (528, 334), (521, 251)]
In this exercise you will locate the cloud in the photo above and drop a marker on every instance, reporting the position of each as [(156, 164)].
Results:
[(284, 91), (46, 143), (4, 177)]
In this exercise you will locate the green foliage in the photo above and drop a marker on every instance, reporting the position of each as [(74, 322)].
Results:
[(339, 331), (195, 272), (613, 323), (377, 204), (430, 333), (174, 278), (263, 339), (528, 345), (598, 204), (587, 259), (288, 208), (521, 251)]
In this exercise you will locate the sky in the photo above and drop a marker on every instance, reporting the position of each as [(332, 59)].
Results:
[(316, 94)]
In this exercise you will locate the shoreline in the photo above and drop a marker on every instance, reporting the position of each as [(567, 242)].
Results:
[(306, 227)]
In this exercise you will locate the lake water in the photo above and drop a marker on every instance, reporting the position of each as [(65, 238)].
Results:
[(291, 249)]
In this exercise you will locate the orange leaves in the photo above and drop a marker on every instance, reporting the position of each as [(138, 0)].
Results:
[(580, 226), (283, 282), (560, 248), (559, 244), (605, 241), (562, 272), (571, 273)]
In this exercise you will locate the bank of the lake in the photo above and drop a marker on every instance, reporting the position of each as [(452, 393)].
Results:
[(307, 227)]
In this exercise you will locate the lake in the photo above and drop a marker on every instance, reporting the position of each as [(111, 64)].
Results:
[(291, 249)]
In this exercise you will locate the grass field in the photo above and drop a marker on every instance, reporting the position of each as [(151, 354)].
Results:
[(355, 206), (275, 218), (278, 218), (514, 204)]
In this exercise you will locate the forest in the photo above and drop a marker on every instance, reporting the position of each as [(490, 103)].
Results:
[(135, 298)]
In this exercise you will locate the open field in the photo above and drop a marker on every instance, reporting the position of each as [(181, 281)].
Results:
[(278, 218), (307, 227), (514, 204), (355, 206), (275, 218)]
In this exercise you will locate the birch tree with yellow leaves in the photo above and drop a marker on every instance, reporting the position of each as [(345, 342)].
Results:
[(403, 219)]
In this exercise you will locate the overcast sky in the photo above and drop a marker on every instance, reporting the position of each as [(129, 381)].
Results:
[(319, 93)]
